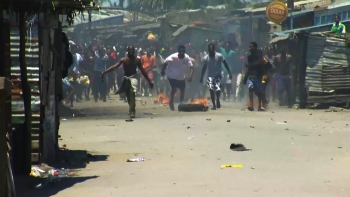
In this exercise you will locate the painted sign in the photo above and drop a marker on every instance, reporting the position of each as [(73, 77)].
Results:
[(277, 12)]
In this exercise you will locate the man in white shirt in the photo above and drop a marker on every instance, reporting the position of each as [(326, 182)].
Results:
[(177, 66), (213, 62)]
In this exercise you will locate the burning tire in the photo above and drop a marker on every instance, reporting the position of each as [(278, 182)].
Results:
[(192, 107)]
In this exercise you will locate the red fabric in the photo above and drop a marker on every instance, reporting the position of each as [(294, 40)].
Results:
[(114, 55)]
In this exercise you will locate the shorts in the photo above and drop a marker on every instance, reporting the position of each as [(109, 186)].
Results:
[(254, 83), (214, 83), (174, 84)]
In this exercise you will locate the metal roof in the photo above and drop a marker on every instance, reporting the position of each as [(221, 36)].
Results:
[(179, 31), (146, 26), (305, 28)]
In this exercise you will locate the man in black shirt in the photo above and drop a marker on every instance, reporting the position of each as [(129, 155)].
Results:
[(254, 76)]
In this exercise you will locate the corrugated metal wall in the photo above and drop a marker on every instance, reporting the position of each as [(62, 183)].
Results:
[(33, 65)]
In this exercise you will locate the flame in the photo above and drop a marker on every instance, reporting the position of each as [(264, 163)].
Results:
[(162, 99), (202, 101)]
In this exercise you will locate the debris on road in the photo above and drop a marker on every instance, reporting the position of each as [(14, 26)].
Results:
[(335, 109), (239, 147), (231, 166), (286, 129), (228, 120), (53, 175), (281, 123), (188, 127), (36, 172), (129, 120), (149, 113), (252, 168), (191, 137), (252, 127), (208, 119), (136, 160)]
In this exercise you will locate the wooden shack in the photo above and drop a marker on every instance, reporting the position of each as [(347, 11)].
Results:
[(322, 61), (327, 72)]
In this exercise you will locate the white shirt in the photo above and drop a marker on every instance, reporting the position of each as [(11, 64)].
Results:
[(177, 68), (77, 58), (214, 64)]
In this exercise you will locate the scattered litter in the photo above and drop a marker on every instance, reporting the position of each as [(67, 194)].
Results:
[(228, 120), (232, 166), (188, 127), (64, 145), (136, 160), (273, 112), (64, 119), (252, 168), (281, 123), (340, 147), (239, 147), (149, 113), (285, 121), (335, 109), (36, 172), (286, 129), (310, 114), (129, 120), (54, 175), (252, 127), (191, 137), (208, 119)]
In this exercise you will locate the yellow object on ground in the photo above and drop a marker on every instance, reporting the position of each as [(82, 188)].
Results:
[(232, 166)]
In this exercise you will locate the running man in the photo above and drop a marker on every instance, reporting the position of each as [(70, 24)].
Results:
[(129, 85), (177, 66), (253, 76), (213, 62), (148, 63)]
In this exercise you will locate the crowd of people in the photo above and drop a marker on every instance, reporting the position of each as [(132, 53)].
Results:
[(150, 70)]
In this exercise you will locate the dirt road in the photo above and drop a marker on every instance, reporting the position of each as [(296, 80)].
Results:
[(295, 153)]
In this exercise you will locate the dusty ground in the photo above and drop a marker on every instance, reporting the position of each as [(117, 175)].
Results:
[(307, 157)]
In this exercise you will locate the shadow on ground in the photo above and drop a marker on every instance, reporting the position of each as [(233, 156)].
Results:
[(71, 161), (25, 185), (76, 159)]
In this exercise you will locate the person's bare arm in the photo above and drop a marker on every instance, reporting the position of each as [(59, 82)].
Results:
[(227, 67), (113, 67), (144, 73), (164, 67)]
